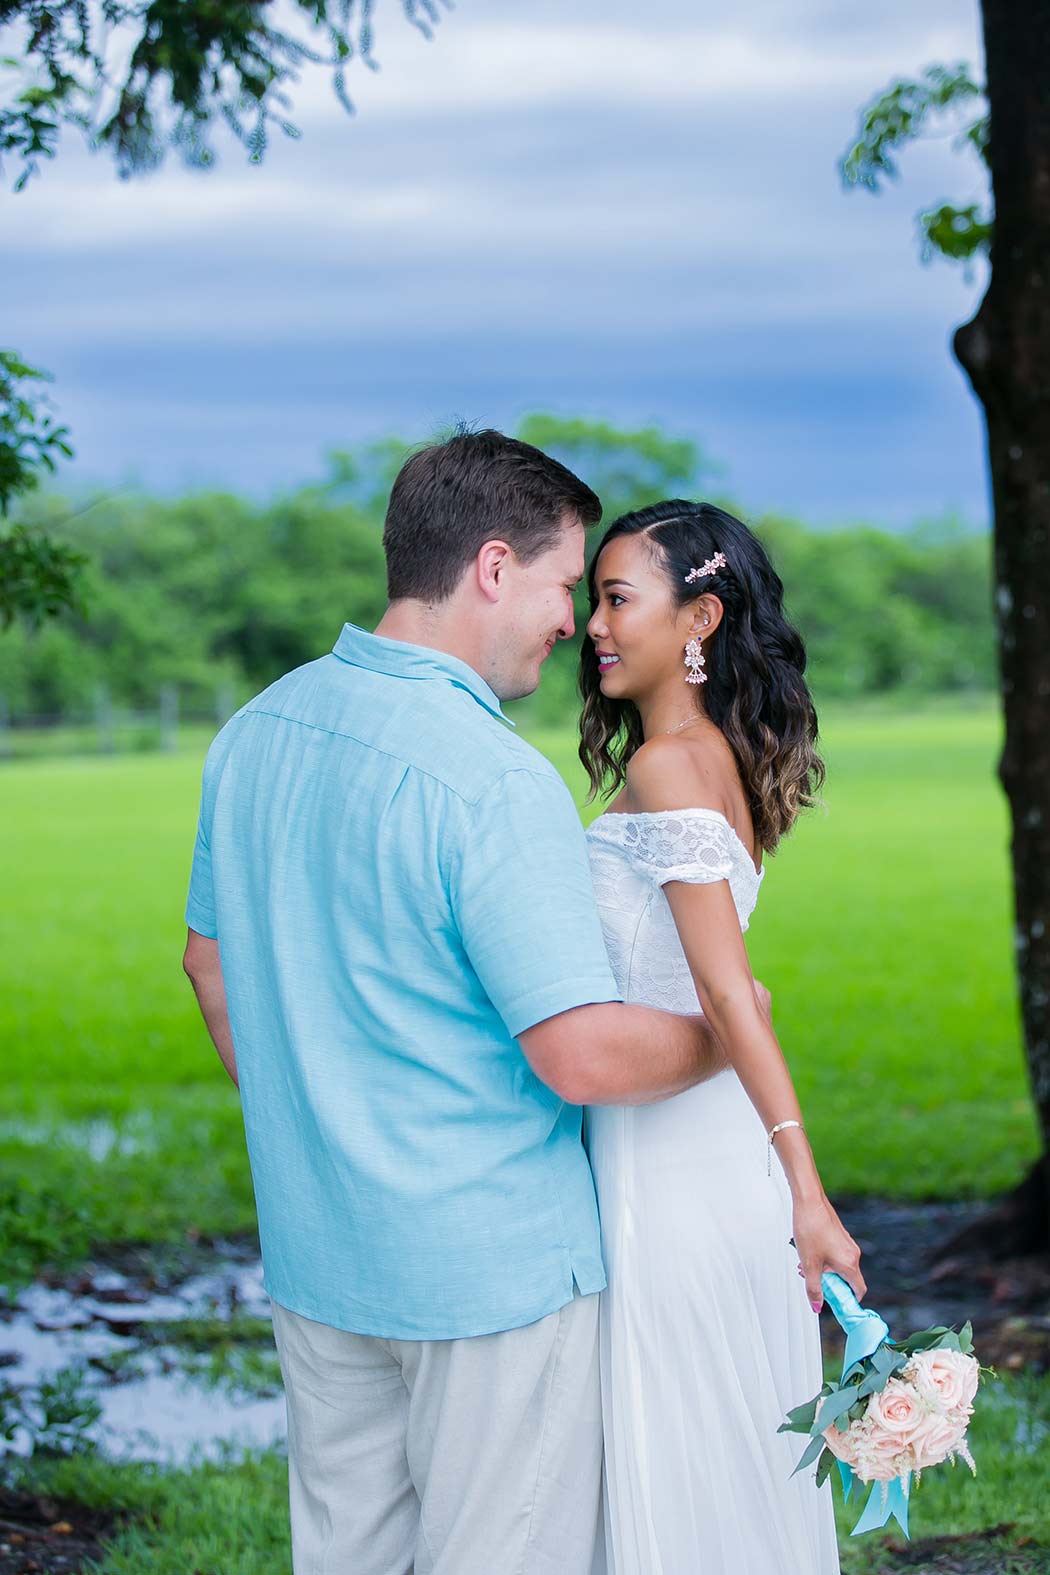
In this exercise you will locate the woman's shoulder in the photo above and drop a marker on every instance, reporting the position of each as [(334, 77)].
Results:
[(669, 772)]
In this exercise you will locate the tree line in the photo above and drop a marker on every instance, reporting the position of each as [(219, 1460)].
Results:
[(211, 589)]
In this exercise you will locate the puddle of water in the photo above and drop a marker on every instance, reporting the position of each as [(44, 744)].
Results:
[(1031, 1433), (99, 1139), (897, 1241), (151, 1407)]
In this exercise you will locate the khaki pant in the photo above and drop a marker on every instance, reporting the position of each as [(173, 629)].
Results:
[(444, 1457)]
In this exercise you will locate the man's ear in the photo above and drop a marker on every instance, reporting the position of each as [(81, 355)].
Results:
[(491, 566)]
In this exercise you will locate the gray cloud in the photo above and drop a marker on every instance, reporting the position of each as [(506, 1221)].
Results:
[(544, 206)]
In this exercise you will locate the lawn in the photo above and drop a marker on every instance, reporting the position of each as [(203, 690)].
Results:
[(883, 931)]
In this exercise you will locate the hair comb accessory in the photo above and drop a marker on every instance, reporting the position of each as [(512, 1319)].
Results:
[(717, 562)]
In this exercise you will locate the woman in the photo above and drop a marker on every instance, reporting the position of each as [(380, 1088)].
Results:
[(697, 711)]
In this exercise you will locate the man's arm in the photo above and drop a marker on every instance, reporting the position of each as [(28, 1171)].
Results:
[(521, 894), (201, 962), (616, 1053)]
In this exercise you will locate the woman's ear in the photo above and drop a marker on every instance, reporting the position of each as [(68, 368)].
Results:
[(707, 615)]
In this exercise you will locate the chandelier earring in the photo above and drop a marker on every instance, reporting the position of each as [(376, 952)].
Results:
[(694, 660)]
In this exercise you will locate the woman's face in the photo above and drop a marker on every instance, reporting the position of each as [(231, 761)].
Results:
[(638, 632)]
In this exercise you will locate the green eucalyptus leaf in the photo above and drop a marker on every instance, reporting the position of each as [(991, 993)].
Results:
[(884, 1359), (834, 1406), (875, 1383), (801, 1419), (824, 1467), (812, 1451)]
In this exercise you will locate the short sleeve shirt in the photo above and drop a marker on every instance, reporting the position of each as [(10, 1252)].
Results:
[(399, 886)]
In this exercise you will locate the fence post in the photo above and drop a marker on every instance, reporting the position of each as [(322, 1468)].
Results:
[(169, 717), (103, 719)]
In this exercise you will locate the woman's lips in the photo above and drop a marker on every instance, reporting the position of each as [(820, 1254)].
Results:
[(605, 662)]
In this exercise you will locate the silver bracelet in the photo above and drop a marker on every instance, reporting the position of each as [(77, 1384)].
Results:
[(771, 1134)]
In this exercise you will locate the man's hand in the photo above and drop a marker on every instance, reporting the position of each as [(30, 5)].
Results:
[(710, 1057)]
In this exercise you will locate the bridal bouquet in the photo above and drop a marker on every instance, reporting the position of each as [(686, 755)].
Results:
[(900, 1407)]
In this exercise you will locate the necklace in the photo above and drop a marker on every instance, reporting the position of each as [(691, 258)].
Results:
[(679, 725)]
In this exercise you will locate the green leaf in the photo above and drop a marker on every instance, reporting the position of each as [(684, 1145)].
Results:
[(902, 114), (876, 1382), (801, 1419), (824, 1467), (959, 234), (923, 1340), (813, 1449), (884, 1358), (836, 1405)]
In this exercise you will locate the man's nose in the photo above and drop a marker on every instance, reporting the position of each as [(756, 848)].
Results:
[(568, 628)]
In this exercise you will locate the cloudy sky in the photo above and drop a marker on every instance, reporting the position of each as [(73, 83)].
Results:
[(622, 210)]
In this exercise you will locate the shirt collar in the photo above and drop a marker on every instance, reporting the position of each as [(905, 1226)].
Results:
[(402, 660)]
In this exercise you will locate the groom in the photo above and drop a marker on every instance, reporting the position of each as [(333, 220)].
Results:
[(415, 999)]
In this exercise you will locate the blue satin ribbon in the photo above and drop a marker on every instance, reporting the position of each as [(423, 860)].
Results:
[(865, 1331)]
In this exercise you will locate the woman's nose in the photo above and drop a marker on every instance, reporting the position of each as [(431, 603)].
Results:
[(595, 627)]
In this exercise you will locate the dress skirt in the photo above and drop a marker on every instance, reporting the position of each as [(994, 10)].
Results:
[(707, 1341)]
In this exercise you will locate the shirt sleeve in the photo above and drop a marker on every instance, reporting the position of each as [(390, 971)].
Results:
[(200, 904), (523, 901)]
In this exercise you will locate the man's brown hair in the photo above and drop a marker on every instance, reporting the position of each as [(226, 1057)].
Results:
[(452, 496)]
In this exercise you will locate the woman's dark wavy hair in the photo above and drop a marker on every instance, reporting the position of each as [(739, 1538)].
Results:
[(756, 692)]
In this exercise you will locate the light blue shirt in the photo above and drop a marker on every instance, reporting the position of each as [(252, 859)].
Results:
[(399, 886)]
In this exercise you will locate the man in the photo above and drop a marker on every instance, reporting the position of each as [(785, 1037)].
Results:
[(415, 999)]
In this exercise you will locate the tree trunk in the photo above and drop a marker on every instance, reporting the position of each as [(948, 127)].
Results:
[(1006, 352)]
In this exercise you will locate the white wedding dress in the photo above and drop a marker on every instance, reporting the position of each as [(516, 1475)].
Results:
[(707, 1336)]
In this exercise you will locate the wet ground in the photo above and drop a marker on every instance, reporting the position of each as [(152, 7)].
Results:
[(916, 1280), (173, 1350), (42, 1536), (167, 1354), (174, 1347)]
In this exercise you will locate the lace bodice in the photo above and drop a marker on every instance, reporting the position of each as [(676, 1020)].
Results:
[(631, 856)]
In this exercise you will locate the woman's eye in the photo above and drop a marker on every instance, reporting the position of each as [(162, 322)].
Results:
[(614, 599)]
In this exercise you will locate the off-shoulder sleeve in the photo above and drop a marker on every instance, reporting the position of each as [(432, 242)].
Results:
[(691, 846)]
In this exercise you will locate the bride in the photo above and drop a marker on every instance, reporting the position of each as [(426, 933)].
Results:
[(697, 715)]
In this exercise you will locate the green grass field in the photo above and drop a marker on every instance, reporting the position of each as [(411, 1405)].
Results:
[(883, 932)]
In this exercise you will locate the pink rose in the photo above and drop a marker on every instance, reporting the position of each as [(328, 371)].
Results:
[(882, 1457), (935, 1438), (843, 1445), (874, 1456), (946, 1379), (895, 1411)]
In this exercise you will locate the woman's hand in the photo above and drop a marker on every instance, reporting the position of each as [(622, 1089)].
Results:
[(825, 1245)]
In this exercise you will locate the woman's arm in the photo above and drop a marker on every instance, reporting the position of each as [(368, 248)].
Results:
[(707, 923)]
